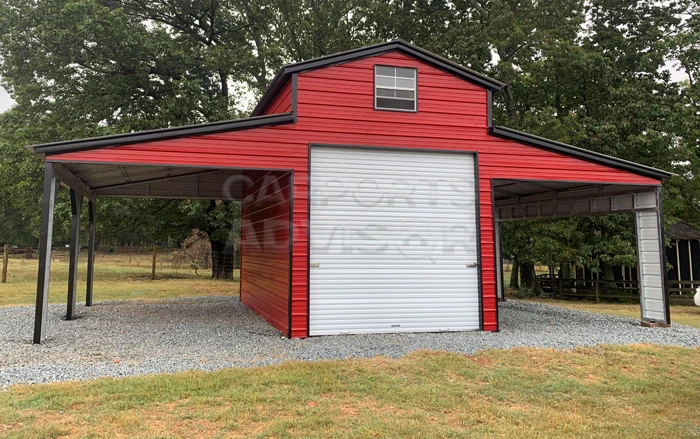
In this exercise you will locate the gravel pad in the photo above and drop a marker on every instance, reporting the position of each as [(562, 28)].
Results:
[(143, 337)]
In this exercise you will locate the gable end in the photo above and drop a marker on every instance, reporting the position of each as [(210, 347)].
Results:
[(280, 81)]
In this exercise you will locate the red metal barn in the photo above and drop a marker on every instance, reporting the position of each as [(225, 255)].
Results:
[(373, 186)]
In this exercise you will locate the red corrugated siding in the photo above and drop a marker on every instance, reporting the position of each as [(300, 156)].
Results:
[(265, 230), (335, 106), (283, 102)]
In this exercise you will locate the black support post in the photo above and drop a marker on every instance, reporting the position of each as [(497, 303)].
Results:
[(91, 254), (45, 237), (76, 202)]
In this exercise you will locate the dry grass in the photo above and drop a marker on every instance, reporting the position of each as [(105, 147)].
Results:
[(605, 392), (683, 314), (117, 277)]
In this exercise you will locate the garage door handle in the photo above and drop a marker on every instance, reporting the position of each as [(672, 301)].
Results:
[(314, 264), (472, 265)]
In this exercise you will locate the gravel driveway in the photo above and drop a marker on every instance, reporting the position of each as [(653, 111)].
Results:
[(135, 338)]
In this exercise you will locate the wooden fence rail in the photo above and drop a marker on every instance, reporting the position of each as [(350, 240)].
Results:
[(683, 286), (600, 289), (61, 253)]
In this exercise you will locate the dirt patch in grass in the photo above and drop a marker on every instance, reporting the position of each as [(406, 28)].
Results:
[(606, 392)]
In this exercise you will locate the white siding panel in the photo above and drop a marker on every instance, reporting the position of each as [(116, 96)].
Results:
[(650, 264), (645, 200), (650, 234), (647, 220), (393, 241)]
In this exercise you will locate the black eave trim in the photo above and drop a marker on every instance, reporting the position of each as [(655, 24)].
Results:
[(396, 45), (295, 96), (573, 151), (291, 252), (664, 257), (498, 262), (162, 134)]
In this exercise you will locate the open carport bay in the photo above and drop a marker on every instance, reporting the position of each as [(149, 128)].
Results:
[(144, 337)]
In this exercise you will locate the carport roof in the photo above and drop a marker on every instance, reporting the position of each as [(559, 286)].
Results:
[(574, 151), (161, 134), (506, 191), (146, 181)]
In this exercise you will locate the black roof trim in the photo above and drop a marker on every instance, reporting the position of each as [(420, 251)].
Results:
[(351, 55), (162, 134), (573, 151)]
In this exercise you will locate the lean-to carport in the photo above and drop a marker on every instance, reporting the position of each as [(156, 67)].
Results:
[(527, 199), (267, 208)]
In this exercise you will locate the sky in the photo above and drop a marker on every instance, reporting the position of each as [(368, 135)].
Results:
[(5, 100)]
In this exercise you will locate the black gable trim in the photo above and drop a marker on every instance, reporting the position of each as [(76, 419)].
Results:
[(162, 134)]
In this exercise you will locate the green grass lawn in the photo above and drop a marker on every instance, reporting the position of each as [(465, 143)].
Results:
[(117, 277), (604, 392)]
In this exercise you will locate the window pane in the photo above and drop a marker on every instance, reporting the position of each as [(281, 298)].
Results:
[(406, 83), (386, 71), (404, 94), (387, 82), (405, 73), (385, 92), (395, 104)]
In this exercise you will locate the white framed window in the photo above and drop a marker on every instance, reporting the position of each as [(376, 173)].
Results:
[(395, 88)]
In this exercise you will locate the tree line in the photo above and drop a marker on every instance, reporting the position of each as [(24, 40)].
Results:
[(590, 73)]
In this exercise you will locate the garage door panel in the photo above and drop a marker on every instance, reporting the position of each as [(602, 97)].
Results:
[(393, 241), (376, 309), (438, 205), (336, 160), (390, 279), (352, 306), (419, 193), (387, 327)]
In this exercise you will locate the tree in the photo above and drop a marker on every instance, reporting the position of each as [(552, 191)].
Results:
[(591, 73), (86, 68), (606, 88)]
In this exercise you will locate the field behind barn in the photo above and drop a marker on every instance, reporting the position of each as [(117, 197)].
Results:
[(127, 275), (118, 276)]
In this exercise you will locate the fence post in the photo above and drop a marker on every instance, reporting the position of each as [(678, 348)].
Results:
[(153, 266), (597, 290), (5, 257)]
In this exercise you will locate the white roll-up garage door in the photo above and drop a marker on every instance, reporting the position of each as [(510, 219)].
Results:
[(393, 241)]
